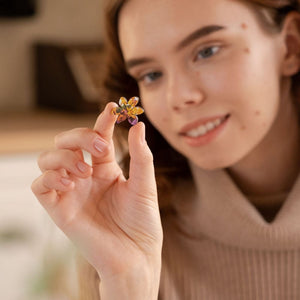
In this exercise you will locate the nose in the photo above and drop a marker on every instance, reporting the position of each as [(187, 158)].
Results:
[(184, 91)]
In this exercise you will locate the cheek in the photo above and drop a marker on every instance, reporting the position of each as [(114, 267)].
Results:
[(227, 76), (253, 124), (156, 113)]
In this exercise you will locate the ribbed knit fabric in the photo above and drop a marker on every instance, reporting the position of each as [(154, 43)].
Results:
[(217, 246)]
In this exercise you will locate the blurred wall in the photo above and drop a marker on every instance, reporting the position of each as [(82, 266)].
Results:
[(56, 21)]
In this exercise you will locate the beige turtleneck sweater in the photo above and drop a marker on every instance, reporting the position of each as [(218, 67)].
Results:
[(218, 246)]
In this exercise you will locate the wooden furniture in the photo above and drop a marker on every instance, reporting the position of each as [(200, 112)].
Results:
[(67, 77)]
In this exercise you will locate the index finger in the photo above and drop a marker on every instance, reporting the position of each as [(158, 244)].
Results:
[(104, 126), (105, 122)]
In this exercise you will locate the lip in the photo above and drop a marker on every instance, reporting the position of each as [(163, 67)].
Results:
[(200, 122), (206, 138)]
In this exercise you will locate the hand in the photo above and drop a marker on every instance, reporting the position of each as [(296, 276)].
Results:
[(114, 221)]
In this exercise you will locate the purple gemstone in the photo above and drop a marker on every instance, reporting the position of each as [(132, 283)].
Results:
[(133, 121)]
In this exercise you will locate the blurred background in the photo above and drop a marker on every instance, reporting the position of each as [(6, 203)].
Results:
[(51, 55)]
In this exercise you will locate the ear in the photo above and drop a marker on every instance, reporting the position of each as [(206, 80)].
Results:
[(291, 38)]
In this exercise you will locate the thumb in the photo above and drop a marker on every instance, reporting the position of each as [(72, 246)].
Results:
[(141, 172)]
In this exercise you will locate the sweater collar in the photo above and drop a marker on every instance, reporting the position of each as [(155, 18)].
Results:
[(223, 213)]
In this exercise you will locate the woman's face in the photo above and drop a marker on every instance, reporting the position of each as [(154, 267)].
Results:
[(209, 75)]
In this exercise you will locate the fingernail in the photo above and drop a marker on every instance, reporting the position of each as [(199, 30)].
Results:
[(82, 167), (100, 145), (66, 181)]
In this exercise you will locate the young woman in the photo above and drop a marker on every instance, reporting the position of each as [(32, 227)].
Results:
[(219, 82)]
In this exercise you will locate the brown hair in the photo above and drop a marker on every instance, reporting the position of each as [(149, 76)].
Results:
[(117, 82), (169, 164)]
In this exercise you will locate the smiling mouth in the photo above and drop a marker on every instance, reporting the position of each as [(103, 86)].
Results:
[(203, 129)]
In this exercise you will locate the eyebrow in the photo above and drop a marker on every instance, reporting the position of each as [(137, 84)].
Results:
[(195, 35)]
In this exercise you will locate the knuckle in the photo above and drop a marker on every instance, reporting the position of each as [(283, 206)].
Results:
[(48, 178), (42, 157), (74, 137), (66, 157), (89, 134), (82, 131), (56, 159), (34, 185), (57, 138)]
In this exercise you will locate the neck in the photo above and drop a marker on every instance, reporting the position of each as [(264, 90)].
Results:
[(273, 166)]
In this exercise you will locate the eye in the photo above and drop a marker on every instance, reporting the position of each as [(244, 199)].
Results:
[(149, 77), (207, 52)]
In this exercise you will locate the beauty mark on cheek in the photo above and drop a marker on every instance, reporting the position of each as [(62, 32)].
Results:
[(258, 113), (244, 26), (128, 110)]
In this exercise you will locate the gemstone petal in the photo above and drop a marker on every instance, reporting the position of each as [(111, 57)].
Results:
[(121, 118), (137, 110), (122, 101), (133, 101)]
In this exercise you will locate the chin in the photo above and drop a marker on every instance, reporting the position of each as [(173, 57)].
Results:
[(212, 164), (209, 167)]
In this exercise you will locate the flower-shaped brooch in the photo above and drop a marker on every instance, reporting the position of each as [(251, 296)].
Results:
[(128, 110)]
